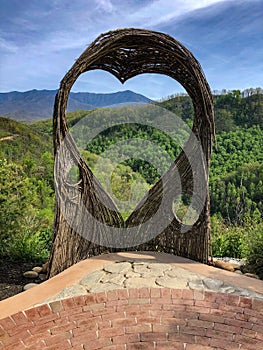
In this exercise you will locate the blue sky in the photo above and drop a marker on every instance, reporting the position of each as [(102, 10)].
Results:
[(40, 40)]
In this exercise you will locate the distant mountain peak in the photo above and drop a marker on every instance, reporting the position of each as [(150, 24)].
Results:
[(38, 104)]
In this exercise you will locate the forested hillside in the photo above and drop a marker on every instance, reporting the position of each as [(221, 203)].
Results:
[(236, 176)]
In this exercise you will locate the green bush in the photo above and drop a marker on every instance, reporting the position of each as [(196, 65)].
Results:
[(227, 241), (27, 246), (239, 241), (253, 249)]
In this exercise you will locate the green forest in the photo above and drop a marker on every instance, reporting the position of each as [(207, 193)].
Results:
[(236, 174)]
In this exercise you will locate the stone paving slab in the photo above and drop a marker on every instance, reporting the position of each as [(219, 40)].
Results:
[(131, 274)]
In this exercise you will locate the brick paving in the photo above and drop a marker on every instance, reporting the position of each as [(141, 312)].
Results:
[(142, 318)]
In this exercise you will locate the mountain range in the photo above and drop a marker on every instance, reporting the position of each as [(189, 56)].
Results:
[(38, 104)]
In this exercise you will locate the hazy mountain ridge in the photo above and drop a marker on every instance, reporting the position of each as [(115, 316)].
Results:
[(38, 104)]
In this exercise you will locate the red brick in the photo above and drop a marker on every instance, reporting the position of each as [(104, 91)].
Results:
[(64, 344), (141, 346), (58, 338), (183, 338), (198, 309), (82, 332), (122, 294), (126, 339), (44, 310), (155, 292), (56, 306), (15, 346), (33, 339), (248, 342), (121, 322), (101, 297), (134, 293), (241, 316), (116, 303), (176, 293), (91, 345), (188, 294), (153, 336), (46, 319), (140, 328), (257, 328), (169, 345), (202, 340), (90, 299), (147, 319), (2, 332), (210, 297), (257, 304), (249, 333), (198, 347), (245, 302), (232, 346), (111, 332), (37, 346), (161, 313), (115, 347), (69, 303), (228, 328), (259, 335), (222, 298), (139, 301), (110, 316), (203, 303), (192, 330), (92, 307), (19, 318), (165, 328), (32, 314), (190, 302), (66, 327), (103, 324), (166, 293), (7, 323), (101, 309), (22, 329), (253, 312), (254, 319), (40, 329), (127, 309), (173, 321), (198, 295), (186, 315), (222, 313), (220, 342), (144, 293), (211, 318), (212, 333), (112, 295), (200, 323), (233, 300), (79, 300), (237, 323)]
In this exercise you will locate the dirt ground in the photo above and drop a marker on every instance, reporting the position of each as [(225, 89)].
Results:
[(12, 279)]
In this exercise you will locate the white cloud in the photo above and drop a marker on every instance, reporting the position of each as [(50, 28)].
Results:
[(161, 11), (105, 5), (7, 46)]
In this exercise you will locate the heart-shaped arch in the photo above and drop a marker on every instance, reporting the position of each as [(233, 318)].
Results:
[(126, 53)]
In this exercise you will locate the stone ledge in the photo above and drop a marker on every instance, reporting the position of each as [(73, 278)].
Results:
[(74, 274)]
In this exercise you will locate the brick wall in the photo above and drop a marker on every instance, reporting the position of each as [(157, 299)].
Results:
[(134, 319)]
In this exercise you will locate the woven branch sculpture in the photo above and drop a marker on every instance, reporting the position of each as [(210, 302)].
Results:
[(126, 53)]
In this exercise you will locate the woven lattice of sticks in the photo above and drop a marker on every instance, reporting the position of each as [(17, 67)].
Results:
[(126, 53)]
